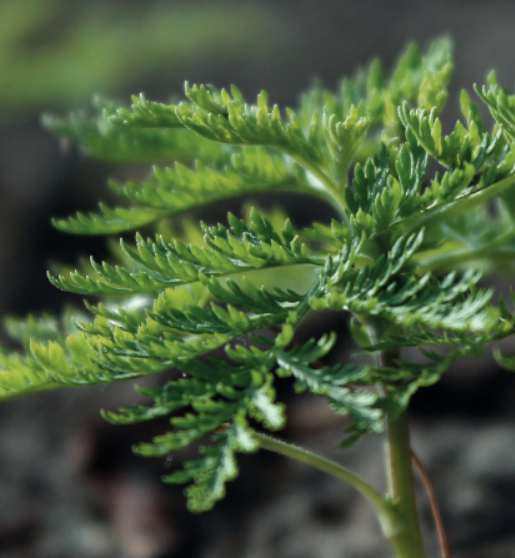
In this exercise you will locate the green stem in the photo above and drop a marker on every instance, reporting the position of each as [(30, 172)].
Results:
[(387, 516), (452, 258), (444, 212), (408, 544), (329, 188)]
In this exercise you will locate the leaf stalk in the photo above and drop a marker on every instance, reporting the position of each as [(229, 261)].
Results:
[(387, 516)]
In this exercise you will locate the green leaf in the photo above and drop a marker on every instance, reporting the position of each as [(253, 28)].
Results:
[(229, 250), (100, 138), (226, 118), (173, 191), (146, 114), (333, 383)]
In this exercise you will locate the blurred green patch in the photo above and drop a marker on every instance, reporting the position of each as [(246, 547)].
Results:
[(56, 53)]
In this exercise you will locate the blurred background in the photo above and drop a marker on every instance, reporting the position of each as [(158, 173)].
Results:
[(69, 485)]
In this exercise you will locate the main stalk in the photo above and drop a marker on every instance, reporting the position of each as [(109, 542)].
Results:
[(408, 543)]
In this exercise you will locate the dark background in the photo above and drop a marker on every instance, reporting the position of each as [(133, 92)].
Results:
[(69, 485)]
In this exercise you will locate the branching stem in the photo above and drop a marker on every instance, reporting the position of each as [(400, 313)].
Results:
[(386, 514), (490, 250), (444, 212)]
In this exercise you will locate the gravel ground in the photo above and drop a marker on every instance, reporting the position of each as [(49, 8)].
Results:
[(70, 487)]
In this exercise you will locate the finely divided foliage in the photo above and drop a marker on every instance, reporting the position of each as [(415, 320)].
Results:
[(403, 257)]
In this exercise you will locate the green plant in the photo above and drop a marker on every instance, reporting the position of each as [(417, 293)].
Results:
[(403, 258)]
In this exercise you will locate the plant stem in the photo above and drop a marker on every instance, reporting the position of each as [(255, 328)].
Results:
[(488, 251), (444, 212), (388, 518), (408, 543), (442, 535)]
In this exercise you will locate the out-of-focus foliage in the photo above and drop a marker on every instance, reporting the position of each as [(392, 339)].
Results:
[(55, 53)]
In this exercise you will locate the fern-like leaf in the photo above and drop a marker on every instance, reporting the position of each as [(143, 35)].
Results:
[(160, 264), (172, 191)]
